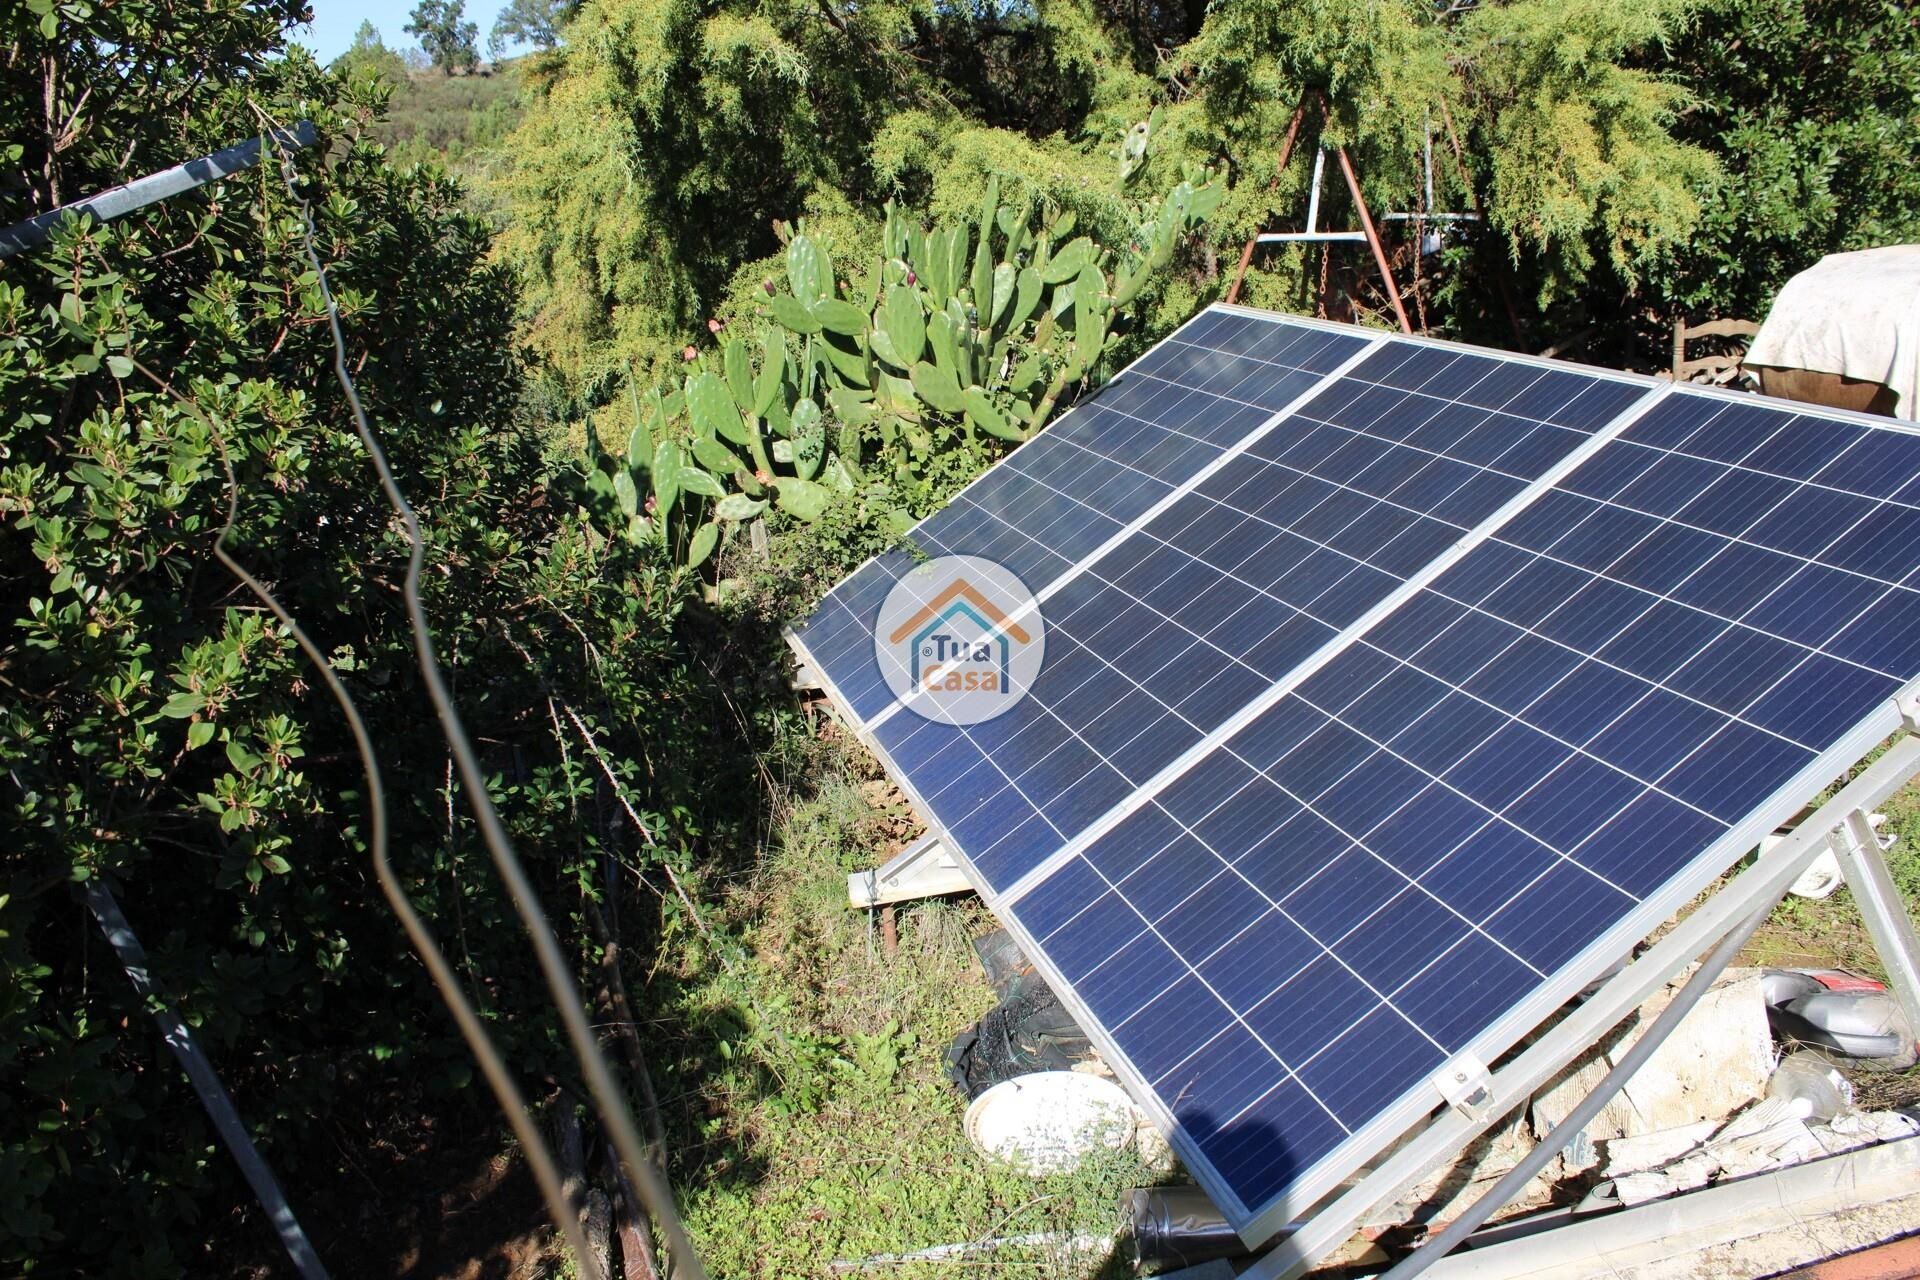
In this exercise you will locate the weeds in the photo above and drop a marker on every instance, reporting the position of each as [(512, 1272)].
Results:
[(846, 1141)]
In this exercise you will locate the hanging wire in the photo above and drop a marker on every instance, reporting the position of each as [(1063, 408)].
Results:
[(492, 1067), (604, 1090)]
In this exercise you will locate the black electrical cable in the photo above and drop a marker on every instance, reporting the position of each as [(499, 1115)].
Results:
[(1542, 1155), (612, 1108)]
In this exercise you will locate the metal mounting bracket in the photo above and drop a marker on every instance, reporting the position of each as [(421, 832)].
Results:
[(1908, 703), (924, 869), (1467, 1086), (1861, 852)]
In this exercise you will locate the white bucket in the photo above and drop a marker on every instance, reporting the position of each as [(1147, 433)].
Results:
[(1048, 1121)]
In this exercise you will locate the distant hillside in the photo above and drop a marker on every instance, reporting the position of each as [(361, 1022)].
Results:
[(451, 118)]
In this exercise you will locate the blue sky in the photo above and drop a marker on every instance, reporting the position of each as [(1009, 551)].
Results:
[(335, 21)]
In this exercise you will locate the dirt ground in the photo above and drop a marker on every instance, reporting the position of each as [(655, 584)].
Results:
[(430, 1203)]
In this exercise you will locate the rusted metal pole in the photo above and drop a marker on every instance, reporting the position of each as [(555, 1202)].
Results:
[(1240, 272), (1373, 239), (1286, 154)]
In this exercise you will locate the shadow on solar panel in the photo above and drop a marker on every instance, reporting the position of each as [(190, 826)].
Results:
[(1392, 692)]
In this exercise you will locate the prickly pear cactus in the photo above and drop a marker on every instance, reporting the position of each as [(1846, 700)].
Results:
[(987, 324), (956, 336)]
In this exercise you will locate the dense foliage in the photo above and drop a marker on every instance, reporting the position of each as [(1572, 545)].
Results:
[(1814, 108), (663, 141), (159, 731), (442, 29), (532, 22), (954, 343), (671, 135)]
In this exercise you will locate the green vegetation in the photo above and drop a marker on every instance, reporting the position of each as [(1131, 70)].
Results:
[(664, 142), (685, 270), (458, 123), (853, 1135), (1828, 932), (949, 347), (445, 34), (158, 729), (1813, 109), (534, 22)]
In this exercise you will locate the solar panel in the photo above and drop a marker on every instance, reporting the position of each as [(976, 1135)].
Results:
[(1308, 521), (1529, 654), (1090, 475)]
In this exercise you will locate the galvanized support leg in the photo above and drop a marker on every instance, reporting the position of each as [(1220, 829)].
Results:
[(1857, 846)]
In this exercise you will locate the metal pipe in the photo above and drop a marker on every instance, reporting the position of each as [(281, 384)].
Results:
[(141, 192), (1581, 1116), (1857, 848), (1289, 237), (1427, 157), (1373, 240), (214, 1097), (1313, 190), (1286, 153), (1240, 273), (1685, 1234)]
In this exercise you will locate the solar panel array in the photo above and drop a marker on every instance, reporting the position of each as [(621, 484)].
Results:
[(1394, 709)]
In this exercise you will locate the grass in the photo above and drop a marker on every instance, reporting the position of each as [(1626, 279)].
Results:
[(826, 1128), (1828, 932)]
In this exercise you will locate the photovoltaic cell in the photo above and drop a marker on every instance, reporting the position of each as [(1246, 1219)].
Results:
[(1445, 815), (1290, 829), (1155, 644), (1090, 474)]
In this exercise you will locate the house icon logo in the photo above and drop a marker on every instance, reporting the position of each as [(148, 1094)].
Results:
[(959, 639)]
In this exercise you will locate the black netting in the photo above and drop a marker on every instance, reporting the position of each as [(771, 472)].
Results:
[(1029, 1030)]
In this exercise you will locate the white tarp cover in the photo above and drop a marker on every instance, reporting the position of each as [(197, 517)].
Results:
[(1856, 314)]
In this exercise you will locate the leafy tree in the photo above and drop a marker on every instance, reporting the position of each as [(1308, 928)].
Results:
[(1813, 107), (662, 145), (1569, 143), (443, 31), (534, 22), (660, 149), (368, 56), (160, 732)]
